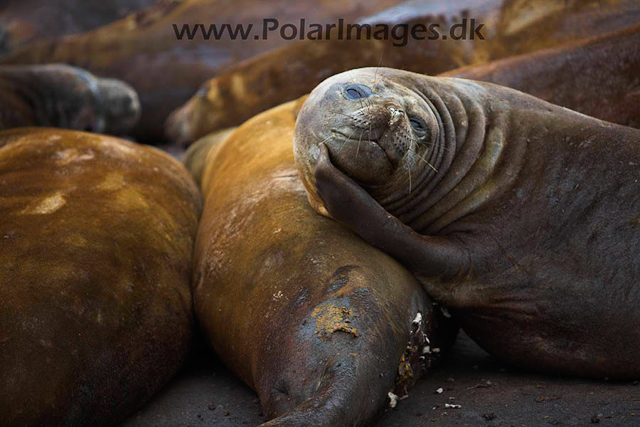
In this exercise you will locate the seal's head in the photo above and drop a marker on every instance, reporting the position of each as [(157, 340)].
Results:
[(120, 104), (380, 130), (72, 98)]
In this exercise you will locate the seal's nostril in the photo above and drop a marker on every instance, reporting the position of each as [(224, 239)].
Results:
[(395, 111), (356, 91)]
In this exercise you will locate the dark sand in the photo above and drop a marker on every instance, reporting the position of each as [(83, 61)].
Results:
[(490, 394)]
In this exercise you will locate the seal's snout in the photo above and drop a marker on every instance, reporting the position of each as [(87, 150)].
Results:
[(396, 114), (370, 125), (119, 104), (355, 91)]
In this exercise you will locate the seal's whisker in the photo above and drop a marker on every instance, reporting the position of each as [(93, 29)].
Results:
[(375, 75), (327, 138), (435, 144), (426, 162), (413, 148), (342, 114), (359, 141), (414, 145), (432, 144), (366, 102), (414, 142), (346, 140)]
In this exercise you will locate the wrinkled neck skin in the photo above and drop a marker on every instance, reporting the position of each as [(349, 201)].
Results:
[(462, 176)]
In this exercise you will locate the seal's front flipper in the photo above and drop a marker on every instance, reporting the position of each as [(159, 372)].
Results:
[(349, 204)]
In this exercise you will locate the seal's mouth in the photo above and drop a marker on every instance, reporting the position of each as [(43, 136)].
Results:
[(361, 142), (361, 158), (351, 138)]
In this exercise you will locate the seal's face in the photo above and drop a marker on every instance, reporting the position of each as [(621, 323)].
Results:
[(99, 105), (378, 131), (72, 98)]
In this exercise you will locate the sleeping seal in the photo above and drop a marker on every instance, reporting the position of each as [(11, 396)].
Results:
[(96, 235), (521, 216), (248, 87), (58, 95), (322, 325)]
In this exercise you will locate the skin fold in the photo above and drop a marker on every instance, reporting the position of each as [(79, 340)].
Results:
[(511, 27), (142, 48), (607, 65), (518, 215), (320, 324), (95, 261), (61, 96)]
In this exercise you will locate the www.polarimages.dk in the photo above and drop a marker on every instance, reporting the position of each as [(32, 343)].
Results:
[(467, 29)]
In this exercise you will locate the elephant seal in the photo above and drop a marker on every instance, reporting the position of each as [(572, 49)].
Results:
[(164, 54), (608, 65), (58, 95), (511, 27), (96, 236), (24, 21), (520, 216), (323, 326), (195, 158)]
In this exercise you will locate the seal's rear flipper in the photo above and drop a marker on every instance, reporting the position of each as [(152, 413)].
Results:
[(328, 407)]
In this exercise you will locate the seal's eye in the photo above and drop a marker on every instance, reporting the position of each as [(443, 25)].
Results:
[(418, 126), (355, 91)]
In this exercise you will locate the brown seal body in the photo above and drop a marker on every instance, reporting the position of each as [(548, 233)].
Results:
[(96, 239), (162, 64), (510, 28), (320, 324), (607, 65), (195, 158), (61, 96), (518, 215), (23, 21)]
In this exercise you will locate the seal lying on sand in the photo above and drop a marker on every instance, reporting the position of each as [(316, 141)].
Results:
[(320, 324), (165, 54), (511, 27), (96, 236), (61, 96), (520, 216)]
